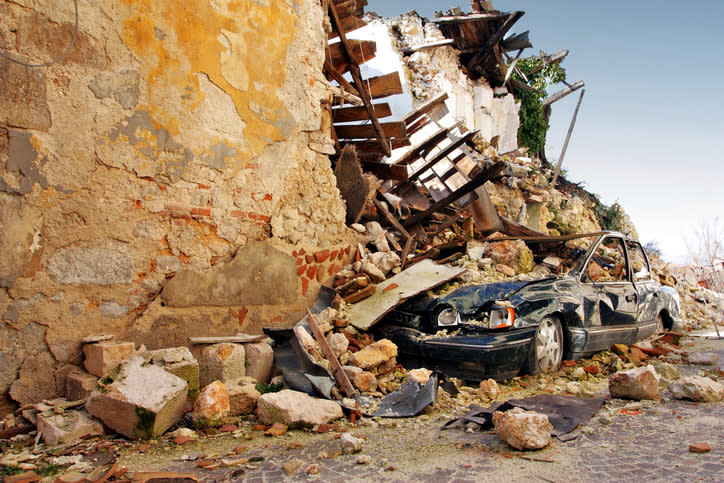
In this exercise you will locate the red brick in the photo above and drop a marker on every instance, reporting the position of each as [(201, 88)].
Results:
[(699, 448), (341, 254), (204, 186), (305, 286), (309, 259), (334, 254), (302, 251), (321, 255), (201, 211), (311, 271), (320, 274), (242, 314), (300, 261), (301, 269), (294, 253), (346, 250)]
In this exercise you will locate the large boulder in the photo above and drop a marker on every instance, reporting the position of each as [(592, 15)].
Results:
[(295, 408), (697, 388), (141, 401), (523, 429), (638, 383)]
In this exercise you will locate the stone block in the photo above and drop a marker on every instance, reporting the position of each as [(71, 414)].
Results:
[(697, 388), (67, 427), (639, 383), (180, 362), (79, 385), (339, 343), (243, 396), (142, 401), (374, 354), (24, 103), (103, 357), (222, 362), (259, 361), (211, 405), (109, 263), (523, 430), (365, 381), (296, 409)]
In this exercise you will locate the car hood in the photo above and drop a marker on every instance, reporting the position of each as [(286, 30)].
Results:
[(468, 299)]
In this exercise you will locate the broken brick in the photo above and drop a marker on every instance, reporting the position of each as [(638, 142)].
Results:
[(321, 255), (309, 259), (305, 286), (334, 254), (301, 269), (699, 448), (311, 271), (360, 294), (320, 274), (242, 314)]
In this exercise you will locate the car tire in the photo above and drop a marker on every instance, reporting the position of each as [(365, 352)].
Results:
[(546, 348)]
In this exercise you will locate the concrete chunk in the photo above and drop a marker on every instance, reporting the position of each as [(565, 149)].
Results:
[(259, 361), (295, 408), (103, 357), (67, 427), (374, 354), (79, 385), (142, 401), (523, 430), (639, 383), (243, 396), (180, 362)]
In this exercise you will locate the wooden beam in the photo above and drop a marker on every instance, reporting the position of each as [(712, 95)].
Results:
[(493, 40), (487, 174), (366, 131), (349, 24), (357, 78), (471, 17), (384, 85), (431, 45), (414, 153), (337, 370), (426, 108), (361, 51), (417, 125), (335, 75), (351, 114), (562, 93), (374, 146), (386, 170)]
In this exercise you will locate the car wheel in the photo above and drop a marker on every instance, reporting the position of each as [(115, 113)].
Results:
[(546, 349)]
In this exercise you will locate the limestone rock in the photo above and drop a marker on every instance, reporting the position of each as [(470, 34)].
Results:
[(243, 396), (639, 383), (421, 375), (704, 358), (295, 408), (103, 357), (374, 354), (365, 381), (488, 389), (351, 371), (35, 380), (350, 444), (385, 261), (371, 269), (212, 404), (180, 362), (339, 343), (697, 388), (142, 401), (222, 362), (259, 361), (668, 371), (79, 385), (109, 263), (67, 427), (505, 270), (523, 429)]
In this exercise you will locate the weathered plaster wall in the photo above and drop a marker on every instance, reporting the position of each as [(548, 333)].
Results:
[(173, 138)]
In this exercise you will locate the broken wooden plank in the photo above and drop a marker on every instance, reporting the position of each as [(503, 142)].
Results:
[(351, 114), (471, 17), (512, 228), (383, 85), (386, 170), (426, 108), (335, 75), (416, 152), (362, 51), (237, 339), (417, 125), (431, 45), (374, 146), (442, 154), (410, 282), (366, 131), (357, 78), (488, 173), (350, 23), (562, 93), (337, 370), (390, 218), (473, 64)]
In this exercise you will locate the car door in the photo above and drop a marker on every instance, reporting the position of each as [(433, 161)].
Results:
[(646, 288), (612, 296)]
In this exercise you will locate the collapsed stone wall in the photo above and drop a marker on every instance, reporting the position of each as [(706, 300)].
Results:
[(171, 139)]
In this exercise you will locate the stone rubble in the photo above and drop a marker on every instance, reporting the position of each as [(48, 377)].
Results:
[(296, 409), (523, 430), (697, 388), (638, 383)]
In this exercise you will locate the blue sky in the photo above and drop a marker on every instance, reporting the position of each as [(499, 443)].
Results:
[(647, 131)]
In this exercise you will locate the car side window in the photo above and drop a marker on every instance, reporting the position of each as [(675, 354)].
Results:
[(639, 263), (608, 263)]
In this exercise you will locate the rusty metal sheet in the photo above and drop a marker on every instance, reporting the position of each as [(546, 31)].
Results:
[(395, 290)]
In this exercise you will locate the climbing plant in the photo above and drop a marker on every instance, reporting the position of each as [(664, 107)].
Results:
[(533, 126)]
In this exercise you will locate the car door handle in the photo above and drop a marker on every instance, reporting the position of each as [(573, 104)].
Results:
[(631, 298)]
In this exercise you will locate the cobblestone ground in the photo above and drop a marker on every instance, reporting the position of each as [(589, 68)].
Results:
[(626, 441)]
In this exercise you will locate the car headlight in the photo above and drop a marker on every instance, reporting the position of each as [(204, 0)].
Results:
[(446, 316), (501, 318)]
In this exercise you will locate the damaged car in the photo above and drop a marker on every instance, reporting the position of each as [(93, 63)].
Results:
[(597, 290)]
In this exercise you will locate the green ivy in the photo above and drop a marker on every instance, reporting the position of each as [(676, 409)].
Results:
[(533, 127)]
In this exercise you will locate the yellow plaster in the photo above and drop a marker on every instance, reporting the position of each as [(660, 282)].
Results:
[(240, 44)]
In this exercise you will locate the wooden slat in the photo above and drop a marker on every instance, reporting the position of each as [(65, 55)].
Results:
[(349, 24), (470, 186), (442, 154), (351, 114), (414, 153), (431, 45), (417, 125), (386, 170), (471, 17), (337, 370), (367, 131), (474, 63), (362, 51), (426, 108), (374, 146), (384, 85)]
